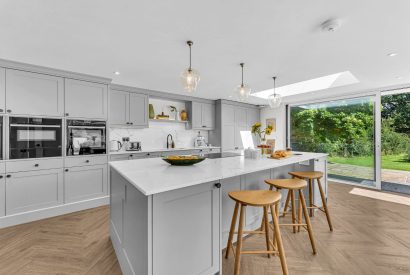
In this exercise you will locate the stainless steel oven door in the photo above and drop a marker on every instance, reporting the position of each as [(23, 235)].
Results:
[(86, 137)]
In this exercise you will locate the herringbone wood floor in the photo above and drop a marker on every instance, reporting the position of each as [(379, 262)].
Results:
[(370, 237)]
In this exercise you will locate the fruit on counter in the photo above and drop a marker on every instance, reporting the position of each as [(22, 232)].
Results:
[(182, 157), (281, 154)]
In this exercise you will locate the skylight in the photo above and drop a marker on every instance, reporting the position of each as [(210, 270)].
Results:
[(316, 84)]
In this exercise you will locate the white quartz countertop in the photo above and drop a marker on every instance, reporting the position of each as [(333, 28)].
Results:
[(152, 176), (152, 150)]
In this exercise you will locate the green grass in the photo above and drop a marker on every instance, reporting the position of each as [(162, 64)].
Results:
[(394, 162)]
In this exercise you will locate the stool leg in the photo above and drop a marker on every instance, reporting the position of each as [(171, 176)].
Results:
[(292, 195), (239, 241), (286, 204), (232, 230), (311, 211), (299, 213), (322, 195), (278, 239), (266, 220), (307, 219)]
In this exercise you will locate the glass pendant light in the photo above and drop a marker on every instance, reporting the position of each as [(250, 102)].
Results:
[(274, 99), (242, 91), (190, 77)]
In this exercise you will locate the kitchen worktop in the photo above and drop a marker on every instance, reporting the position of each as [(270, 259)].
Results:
[(152, 150), (152, 176)]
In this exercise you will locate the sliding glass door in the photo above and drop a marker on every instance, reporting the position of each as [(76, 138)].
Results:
[(342, 128), (395, 136)]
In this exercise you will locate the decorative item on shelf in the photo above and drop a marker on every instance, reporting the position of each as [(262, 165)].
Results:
[(190, 77), (256, 130), (163, 116), (274, 99), (242, 91), (151, 111), (174, 112), (184, 115)]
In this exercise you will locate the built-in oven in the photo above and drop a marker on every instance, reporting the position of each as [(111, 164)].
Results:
[(33, 137), (86, 137)]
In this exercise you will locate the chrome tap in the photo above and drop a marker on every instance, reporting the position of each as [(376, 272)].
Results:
[(172, 142)]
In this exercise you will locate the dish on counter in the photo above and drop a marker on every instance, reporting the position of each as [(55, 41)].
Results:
[(183, 160), (281, 154)]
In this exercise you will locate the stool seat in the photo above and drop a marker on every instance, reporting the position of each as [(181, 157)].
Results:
[(255, 197), (307, 174), (293, 184)]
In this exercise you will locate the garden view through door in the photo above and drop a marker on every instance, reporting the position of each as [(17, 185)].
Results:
[(342, 128)]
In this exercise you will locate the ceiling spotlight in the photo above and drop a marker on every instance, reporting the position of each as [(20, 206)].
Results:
[(117, 73), (392, 54), (331, 25)]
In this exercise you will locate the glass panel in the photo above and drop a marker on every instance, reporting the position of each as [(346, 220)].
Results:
[(345, 130), (396, 140)]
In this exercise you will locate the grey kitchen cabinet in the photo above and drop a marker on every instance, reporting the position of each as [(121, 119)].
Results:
[(191, 216), (128, 109), (228, 114), (228, 137), (2, 90), (82, 183), (86, 100), (202, 115), (238, 137), (240, 116), (228, 206), (28, 191), (34, 94), (2, 195)]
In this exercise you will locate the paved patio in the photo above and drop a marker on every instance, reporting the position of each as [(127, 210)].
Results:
[(347, 170)]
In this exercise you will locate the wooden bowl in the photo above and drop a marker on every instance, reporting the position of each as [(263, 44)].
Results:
[(184, 161)]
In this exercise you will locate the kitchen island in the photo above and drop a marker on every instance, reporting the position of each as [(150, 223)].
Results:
[(175, 220)]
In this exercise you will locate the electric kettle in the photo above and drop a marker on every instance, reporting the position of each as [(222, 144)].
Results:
[(115, 145)]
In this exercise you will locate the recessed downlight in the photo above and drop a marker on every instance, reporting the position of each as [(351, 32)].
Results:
[(117, 73), (392, 54)]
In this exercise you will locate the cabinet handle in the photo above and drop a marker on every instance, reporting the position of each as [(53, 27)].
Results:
[(1, 176), (1, 110), (236, 148), (8, 111), (316, 159), (131, 156), (148, 154), (132, 123), (203, 126), (36, 165), (87, 161), (127, 123), (67, 114), (8, 176), (218, 185), (66, 170)]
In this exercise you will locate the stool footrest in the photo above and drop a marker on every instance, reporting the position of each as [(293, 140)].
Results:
[(259, 252)]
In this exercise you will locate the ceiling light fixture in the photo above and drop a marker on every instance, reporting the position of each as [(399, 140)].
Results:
[(392, 54), (242, 91), (190, 77), (117, 73), (274, 99)]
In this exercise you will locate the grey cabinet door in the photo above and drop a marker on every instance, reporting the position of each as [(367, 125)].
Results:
[(196, 118), (81, 183), (119, 107), (2, 90), (228, 206), (228, 137), (138, 110), (27, 191), (240, 116), (208, 115), (228, 114), (86, 99), (34, 94), (117, 198), (238, 137), (182, 219), (2, 195)]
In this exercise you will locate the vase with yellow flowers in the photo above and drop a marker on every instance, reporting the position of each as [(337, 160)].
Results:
[(261, 134)]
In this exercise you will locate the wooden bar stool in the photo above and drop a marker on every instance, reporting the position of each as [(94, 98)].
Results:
[(293, 185), (257, 198), (311, 176)]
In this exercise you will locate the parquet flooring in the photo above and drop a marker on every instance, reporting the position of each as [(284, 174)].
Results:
[(370, 237)]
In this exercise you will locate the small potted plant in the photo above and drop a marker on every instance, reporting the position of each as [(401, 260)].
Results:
[(257, 130), (174, 112)]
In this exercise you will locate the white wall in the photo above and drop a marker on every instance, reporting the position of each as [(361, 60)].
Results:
[(280, 115), (155, 136)]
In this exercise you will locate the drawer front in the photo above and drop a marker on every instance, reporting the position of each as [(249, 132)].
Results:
[(28, 191), (121, 157), (33, 165), (2, 167), (85, 160)]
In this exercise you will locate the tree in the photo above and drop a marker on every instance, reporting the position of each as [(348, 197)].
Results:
[(397, 108)]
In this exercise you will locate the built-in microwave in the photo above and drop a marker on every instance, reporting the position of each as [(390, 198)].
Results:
[(33, 137), (85, 137)]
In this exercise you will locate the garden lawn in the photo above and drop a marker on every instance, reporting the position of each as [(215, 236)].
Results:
[(393, 162)]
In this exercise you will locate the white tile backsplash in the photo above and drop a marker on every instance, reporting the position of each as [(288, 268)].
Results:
[(155, 136)]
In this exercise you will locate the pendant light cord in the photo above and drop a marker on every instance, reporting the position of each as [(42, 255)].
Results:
[(274, 86), (242, 73), (190, 44)]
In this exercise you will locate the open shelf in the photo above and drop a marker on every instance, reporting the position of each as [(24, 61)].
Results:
[(169, 120)]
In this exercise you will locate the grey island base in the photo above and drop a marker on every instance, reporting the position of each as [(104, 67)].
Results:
[(175, 220)]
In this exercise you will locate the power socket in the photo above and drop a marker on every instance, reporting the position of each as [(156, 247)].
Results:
[(125, 139)]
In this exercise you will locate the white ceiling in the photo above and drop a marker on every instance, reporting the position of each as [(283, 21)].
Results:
[(145, 41)]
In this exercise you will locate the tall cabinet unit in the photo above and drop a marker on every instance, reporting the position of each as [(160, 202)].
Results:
[(231, 119), (202, 115), (2, 90), (128, 109)]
